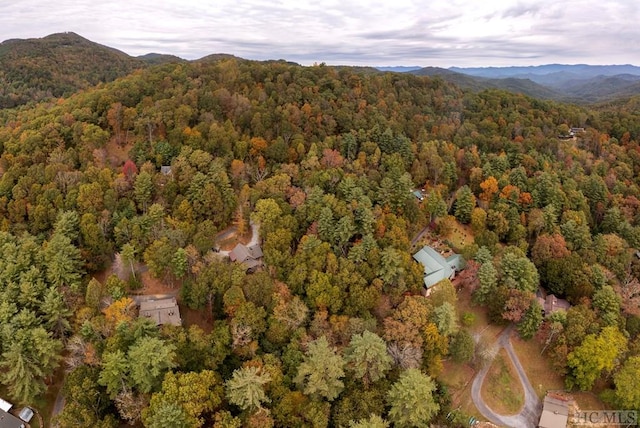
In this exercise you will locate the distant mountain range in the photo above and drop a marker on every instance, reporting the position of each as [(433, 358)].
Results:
[(61, 64), (574, 83)]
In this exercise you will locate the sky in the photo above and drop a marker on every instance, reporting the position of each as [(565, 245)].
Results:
[(441, 33)]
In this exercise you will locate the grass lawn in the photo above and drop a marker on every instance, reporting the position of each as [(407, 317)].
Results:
[(501, 389), (588, 401), (458, 377), (539, 369), (460, 236), (480, 325)]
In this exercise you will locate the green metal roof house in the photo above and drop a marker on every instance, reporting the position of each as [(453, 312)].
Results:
[(436, 267)]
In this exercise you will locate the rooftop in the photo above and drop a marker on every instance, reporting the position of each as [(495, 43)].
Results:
[(161, 311), (436, 267), (7, 420), (555, 413)]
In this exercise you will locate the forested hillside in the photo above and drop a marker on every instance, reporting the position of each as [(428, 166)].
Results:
[(333, 331), (58, 65)]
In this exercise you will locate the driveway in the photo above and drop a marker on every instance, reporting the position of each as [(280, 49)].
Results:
[(255, 237), (530, 412)]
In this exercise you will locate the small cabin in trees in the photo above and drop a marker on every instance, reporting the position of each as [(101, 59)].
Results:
[(251, 256), (161, 311), (418, 195), (555, 412), (7, 420), (436, 266), (551, 303)]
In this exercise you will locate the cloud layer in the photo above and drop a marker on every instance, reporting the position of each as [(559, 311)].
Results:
[(358, 32)]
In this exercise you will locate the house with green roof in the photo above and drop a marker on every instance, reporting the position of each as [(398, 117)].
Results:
[(436, 266)]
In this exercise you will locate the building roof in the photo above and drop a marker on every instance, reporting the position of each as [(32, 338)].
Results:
[(555, 413), (5, 405), (418, 194), (242, 253), (161, 311), (456, 261), (436, 267), (7, 420), (165, 169), (551, 303)]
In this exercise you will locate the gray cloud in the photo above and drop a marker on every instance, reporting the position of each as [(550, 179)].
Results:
[(359, 32)]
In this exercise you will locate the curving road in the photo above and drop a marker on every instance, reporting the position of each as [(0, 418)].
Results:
[(530, 412)]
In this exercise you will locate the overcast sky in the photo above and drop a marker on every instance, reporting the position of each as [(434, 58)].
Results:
[(358, 32)]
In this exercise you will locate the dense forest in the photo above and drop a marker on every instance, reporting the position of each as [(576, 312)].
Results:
[(334, 330)]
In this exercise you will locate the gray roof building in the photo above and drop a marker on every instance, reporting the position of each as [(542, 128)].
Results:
[(161, 311), (251, 256), (7, 420), (555, 413)]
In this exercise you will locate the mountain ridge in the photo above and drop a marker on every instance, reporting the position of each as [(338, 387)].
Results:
[(60, 64)]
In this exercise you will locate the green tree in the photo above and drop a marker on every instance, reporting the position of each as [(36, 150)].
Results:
[(169, 415), (159, 256), (531, 321), (596, 354), (320, 373), (436, 206), (607, 302), (519, 272), (149, 358), (373, 421), (411, 400), (56, 313), (488, 279), (627, 393), (446, 319), (196, 394), (180, 263), (245, 389), (128, 254), (68, 224), (462, 347), (62, 258), (31, 356), (143, 190), (367, 357), (465, 203), (114, 375), (85, 402)]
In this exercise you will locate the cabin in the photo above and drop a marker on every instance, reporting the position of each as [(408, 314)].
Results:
[(165, 169), (250, 256), (555, 412), (551, 303), (418, 195), (161, 311), (7, 420), (436, 266)]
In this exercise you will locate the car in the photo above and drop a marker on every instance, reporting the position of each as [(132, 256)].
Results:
[(26, 414)]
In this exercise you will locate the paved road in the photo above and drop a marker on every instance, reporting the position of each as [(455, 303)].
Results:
[(419, 236), (530, 412)]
